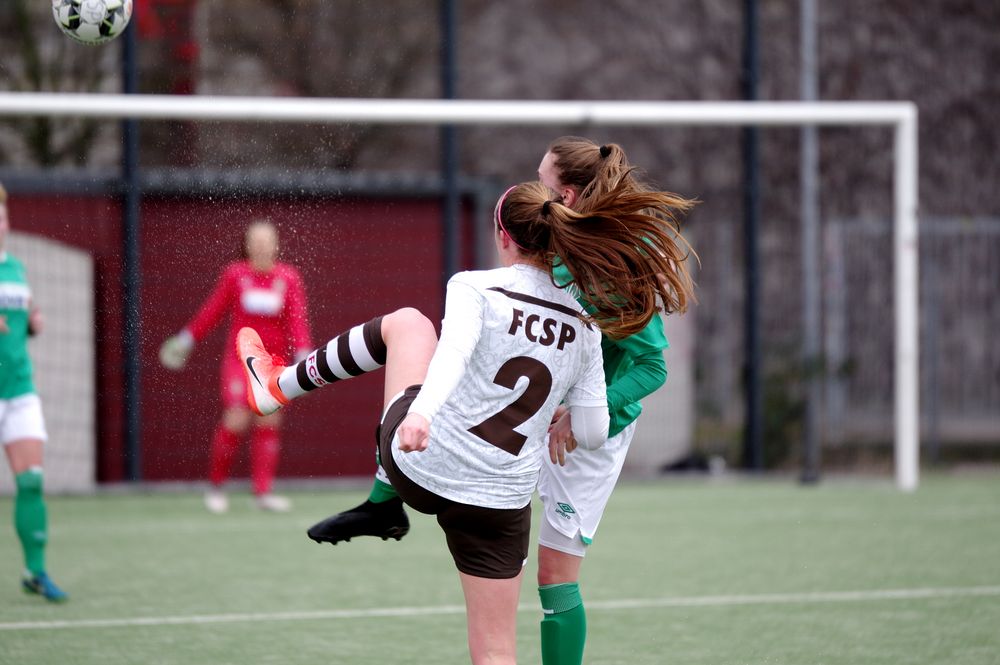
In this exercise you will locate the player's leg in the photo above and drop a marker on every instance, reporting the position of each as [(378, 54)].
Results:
[(564, 621), (489, 547), (22, 432), (573, 498), (229, 433), (410, 340), (381, 515), (491, 608), (382, 490), (560, 556), (265, 448), (30, 514), (271, 385)]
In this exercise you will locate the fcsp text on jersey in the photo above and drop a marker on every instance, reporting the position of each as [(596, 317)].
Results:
[(530, 324)]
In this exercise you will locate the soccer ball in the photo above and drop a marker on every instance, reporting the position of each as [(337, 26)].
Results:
[(92, 21)]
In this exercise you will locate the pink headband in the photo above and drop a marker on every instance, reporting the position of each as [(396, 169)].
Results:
[(496, 217)]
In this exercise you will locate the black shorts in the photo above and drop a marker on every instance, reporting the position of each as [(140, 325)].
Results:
[(484, 542)]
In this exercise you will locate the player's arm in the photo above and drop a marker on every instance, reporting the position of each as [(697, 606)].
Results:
[(219, 302), (644, 378), (460, 331), (588, 408), (35, 319), (590, 426), (175, 350), (583, 418), (648, 371)]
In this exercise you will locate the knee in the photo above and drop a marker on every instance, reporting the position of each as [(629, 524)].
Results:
[(236, 420), (555, 567), (411, 316), (410, 321), (546, 572)]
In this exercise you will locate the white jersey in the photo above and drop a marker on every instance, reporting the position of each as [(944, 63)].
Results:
[(512, 349)]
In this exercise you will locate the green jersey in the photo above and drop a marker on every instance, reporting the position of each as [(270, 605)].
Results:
[(15, 299), (633, 367)]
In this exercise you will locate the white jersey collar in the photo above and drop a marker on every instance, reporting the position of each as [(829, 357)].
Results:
[(528, 267)]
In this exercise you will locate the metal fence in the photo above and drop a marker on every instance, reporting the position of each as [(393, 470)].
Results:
[(959, 319)]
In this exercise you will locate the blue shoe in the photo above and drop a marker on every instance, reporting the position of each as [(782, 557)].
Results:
[(43, 585)]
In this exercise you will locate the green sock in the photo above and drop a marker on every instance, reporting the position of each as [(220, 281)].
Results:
[(381, 492), (564, 628), (30, 519)]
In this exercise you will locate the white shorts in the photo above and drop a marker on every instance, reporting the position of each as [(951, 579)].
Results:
[(574, 496), (21, 418)]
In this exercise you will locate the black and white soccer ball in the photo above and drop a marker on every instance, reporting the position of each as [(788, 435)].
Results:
[(92, 21)]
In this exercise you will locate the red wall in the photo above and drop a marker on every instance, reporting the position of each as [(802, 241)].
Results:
[(359, 258)]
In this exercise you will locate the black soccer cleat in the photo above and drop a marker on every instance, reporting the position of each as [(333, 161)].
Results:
[(383, 520)]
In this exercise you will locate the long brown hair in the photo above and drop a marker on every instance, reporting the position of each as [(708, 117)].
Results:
[(624, 253)]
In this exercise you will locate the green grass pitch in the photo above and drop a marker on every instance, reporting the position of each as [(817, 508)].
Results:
[(683, 571)]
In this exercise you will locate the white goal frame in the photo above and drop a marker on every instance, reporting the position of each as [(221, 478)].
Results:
[(900, 116)]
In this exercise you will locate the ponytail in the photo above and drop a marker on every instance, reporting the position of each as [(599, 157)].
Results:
[(626, 254), (593, 170)]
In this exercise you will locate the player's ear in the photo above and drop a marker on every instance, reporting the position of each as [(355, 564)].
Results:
[(569, 197)]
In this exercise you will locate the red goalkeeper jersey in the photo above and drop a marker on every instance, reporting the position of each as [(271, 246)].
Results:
[(272, 303)]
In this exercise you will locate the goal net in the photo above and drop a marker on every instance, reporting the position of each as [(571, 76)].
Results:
[(899, 117)]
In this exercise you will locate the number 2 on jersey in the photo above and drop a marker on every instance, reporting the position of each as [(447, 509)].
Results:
[(498, 429)]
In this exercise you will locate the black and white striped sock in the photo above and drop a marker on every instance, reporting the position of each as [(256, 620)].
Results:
[(352, 353)]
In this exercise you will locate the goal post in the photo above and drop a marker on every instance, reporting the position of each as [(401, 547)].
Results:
[(900, 116)]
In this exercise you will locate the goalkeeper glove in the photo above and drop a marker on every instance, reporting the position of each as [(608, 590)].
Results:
[(175, 350)]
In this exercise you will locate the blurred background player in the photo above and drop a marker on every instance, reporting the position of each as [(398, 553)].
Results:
[(22, 428), (467, 445), (269, 296)]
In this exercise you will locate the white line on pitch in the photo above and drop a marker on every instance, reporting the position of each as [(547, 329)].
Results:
[(625, 604), (807, 597)]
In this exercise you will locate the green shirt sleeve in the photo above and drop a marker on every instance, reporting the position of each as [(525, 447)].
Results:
[(634, 366), (647, 374)]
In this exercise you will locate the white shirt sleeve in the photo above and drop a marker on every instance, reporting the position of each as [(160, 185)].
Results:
[(590, 425), (588, 405), (460, 331)]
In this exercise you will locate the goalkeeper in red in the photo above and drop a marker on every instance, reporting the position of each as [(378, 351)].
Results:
[(22, 428), (267, 295)]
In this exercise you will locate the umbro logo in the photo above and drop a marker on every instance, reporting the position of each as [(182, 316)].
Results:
[(564, 510)]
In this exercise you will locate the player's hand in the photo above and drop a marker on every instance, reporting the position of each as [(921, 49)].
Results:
[(413, 433), (4, 328), (175, 350), (557, 415), (35, 321), (561, 439)]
